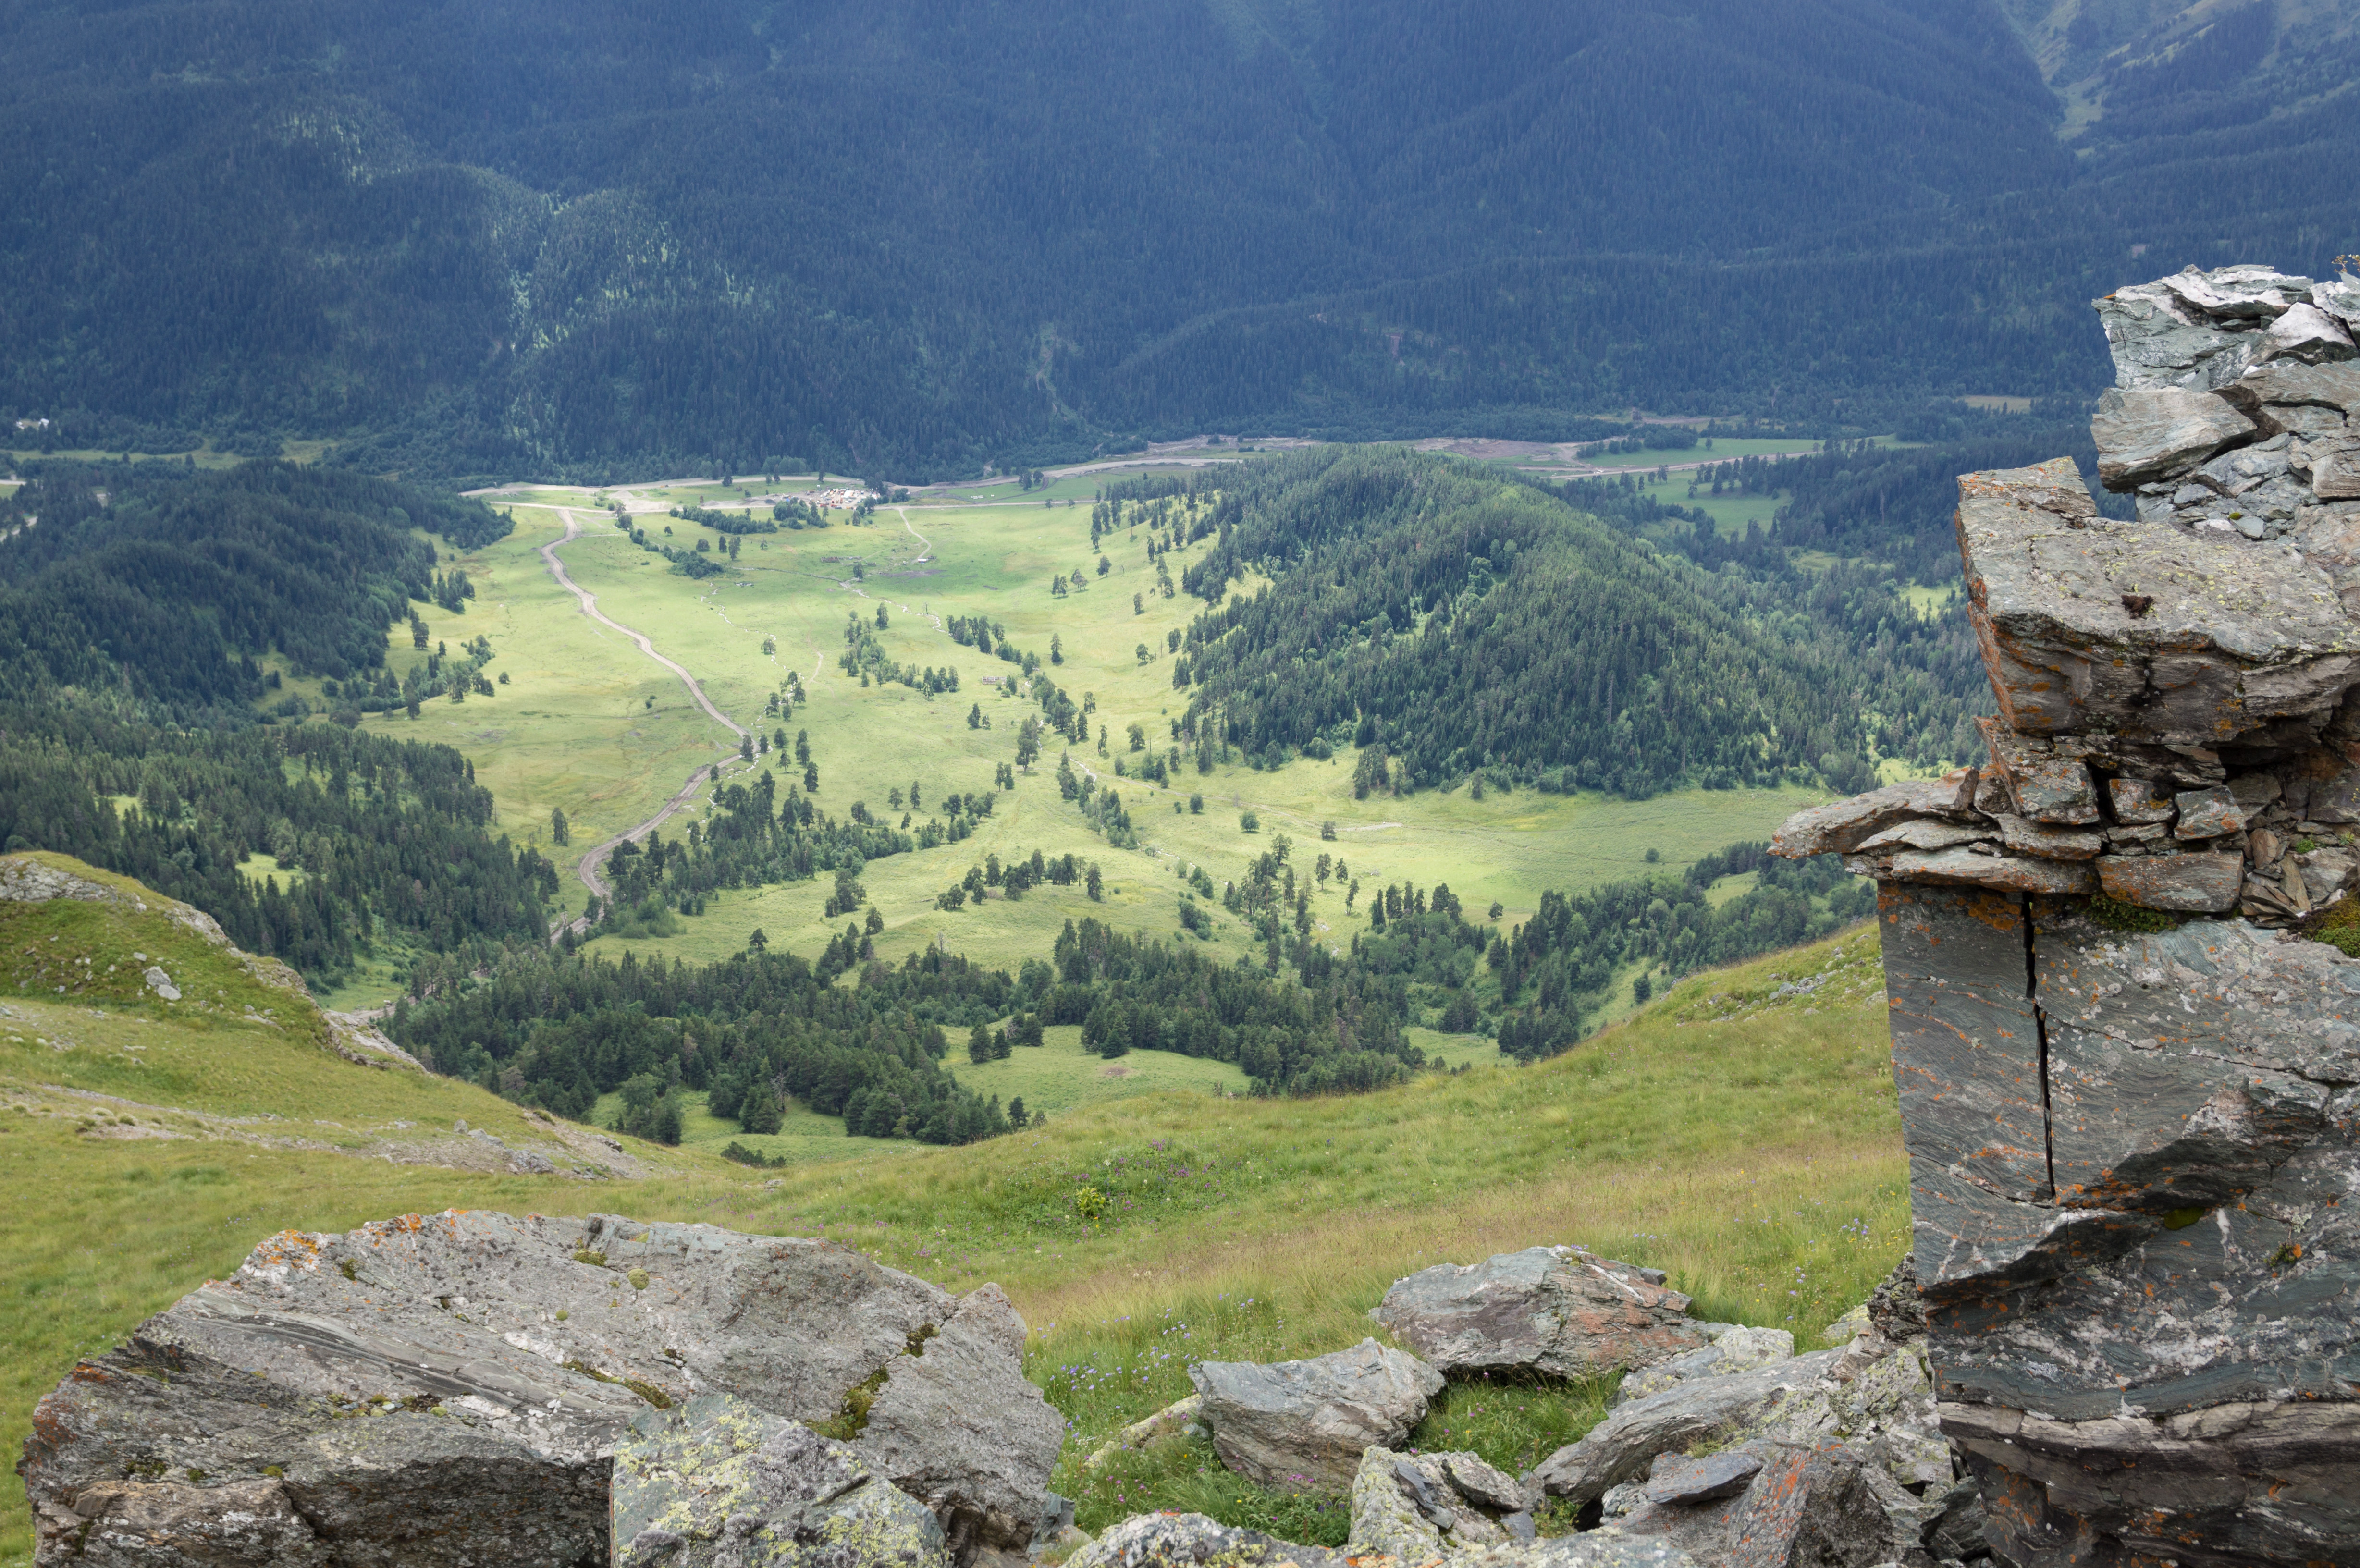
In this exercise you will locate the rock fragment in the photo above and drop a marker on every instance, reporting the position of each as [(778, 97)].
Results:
[(1555, 1310), (1705, 1480), (1308, 1422), (1192, 1541), (2195, 883)]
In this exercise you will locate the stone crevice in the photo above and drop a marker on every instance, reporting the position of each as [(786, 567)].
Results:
[(2040, 1036)]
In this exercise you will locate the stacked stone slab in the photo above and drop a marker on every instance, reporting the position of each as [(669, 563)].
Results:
[(2129, 1081)]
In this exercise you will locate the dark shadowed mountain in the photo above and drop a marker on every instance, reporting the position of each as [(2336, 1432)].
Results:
[(915, 235)]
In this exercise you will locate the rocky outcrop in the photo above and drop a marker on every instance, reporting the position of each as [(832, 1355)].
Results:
[(1551, 1309), (1307, 1422), (1772, 1505), (1733, 1349), (2127, 1083), (1876, 1396), (460, 1388), (1418, 1507)]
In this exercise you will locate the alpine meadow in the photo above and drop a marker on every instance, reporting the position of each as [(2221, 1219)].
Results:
[(1051, 783)]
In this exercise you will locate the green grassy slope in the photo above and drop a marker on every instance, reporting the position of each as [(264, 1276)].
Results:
[(1749, 1145)]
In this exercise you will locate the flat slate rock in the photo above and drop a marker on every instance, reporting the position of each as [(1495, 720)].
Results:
[(2201, 883), (1843, 826), (2149, 432), (2141, 630), (2009, 873), (1705, 1480), (1550, 1310), (1307, 1422)]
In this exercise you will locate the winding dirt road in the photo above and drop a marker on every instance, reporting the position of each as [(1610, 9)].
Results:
[(591, 862)]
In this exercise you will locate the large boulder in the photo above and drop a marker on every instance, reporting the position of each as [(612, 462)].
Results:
[(1552, 1310), (1307, 1422), (961, 1429), (452, 1388)]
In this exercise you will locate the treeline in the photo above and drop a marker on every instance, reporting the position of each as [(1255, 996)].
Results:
[(733, 523), (380, 844), (864, 655), (1555, 969), (557, 1030), (1460, 622), (165, 585), (756, 837)]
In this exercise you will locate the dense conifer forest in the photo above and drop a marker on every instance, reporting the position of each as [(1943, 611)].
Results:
[(135, 599), (380, 845), (1456, 623), (519, 236), (155, 583)]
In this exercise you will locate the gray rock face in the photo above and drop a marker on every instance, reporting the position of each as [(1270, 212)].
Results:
[(2268, 1483), (452, 1388), (2141, 630), (960, 1428), (1556, 1310), (2132, 1155), (1192, 1541), (718, 1484), (2161, 1233), (2147, 433), (1307, 1422)]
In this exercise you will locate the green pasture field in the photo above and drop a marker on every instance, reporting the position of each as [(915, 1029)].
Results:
[(576, 729), (1057, 1076)]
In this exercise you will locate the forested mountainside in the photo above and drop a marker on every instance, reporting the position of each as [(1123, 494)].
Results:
[(137, 603), (912, 236), (372, 842), (1458, 622), (157, 585)]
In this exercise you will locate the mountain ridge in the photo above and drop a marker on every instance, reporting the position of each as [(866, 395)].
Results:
[(519, 241)]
